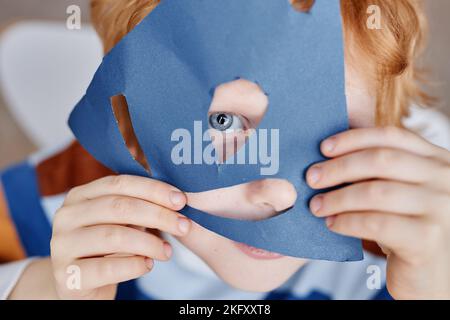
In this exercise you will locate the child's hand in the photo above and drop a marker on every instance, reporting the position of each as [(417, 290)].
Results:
[(400, 198), (97, 232)]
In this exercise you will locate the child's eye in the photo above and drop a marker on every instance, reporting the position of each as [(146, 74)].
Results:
[(223, 121)]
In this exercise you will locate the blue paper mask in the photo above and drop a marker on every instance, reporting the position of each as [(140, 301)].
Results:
[(168, 65)]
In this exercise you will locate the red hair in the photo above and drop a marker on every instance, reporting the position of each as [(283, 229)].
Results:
[(389, 54)]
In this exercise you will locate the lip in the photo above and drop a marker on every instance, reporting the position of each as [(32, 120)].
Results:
[(256, 253)]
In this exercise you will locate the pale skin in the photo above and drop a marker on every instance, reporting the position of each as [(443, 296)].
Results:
[(400, 198)]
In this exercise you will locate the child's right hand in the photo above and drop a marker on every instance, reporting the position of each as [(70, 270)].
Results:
[(101, 231)]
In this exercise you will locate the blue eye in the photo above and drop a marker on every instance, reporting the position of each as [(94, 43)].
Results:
[(222, 121)]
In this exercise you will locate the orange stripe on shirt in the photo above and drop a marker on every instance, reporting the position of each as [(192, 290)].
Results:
[(10, 246), (67, 169)]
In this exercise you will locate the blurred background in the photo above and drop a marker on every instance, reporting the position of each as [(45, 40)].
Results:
[(60, 55)]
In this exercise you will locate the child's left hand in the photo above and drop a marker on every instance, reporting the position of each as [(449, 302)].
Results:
[(400, 198)]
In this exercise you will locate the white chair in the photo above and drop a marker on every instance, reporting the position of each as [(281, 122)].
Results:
[(45, 69)]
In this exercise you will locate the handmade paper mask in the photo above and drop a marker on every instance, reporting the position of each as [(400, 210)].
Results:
[(168, 66)]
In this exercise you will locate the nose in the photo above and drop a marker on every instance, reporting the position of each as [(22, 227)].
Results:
[(256, 200), (271, 196)]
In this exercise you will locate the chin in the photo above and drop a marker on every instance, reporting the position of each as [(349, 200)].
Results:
[(253, 281), (236, 268), (248, 274)]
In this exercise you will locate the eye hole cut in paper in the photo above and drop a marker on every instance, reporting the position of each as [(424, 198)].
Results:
[(242, 104)]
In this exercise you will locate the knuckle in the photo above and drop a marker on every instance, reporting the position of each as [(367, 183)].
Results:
[(105, 270), (374, 226), (391, 133), (341, 166), (114, 236), (338, 198), (117, 183), (161, 214), (122, 206), (382, 158), (59, 219), (376, 190), (73, 192), (55, 245)]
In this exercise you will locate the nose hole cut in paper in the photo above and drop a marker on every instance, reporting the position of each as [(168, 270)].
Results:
[(252, 201), (119, 106)]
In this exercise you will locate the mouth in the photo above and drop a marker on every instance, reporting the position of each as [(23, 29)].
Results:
[(256, 253)]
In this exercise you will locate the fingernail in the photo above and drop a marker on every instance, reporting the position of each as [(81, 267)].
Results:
[(167, 249), (316, 204), (149, 263), (330, 221), (328, 145), (184, 225), (314, 175), (177, 198)]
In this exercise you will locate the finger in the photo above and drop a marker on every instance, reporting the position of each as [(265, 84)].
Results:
[(378, 195), (381, 163), (94, 273), (121, 210), (388, 137), (105, 240), (403, 235), (146, 189)]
